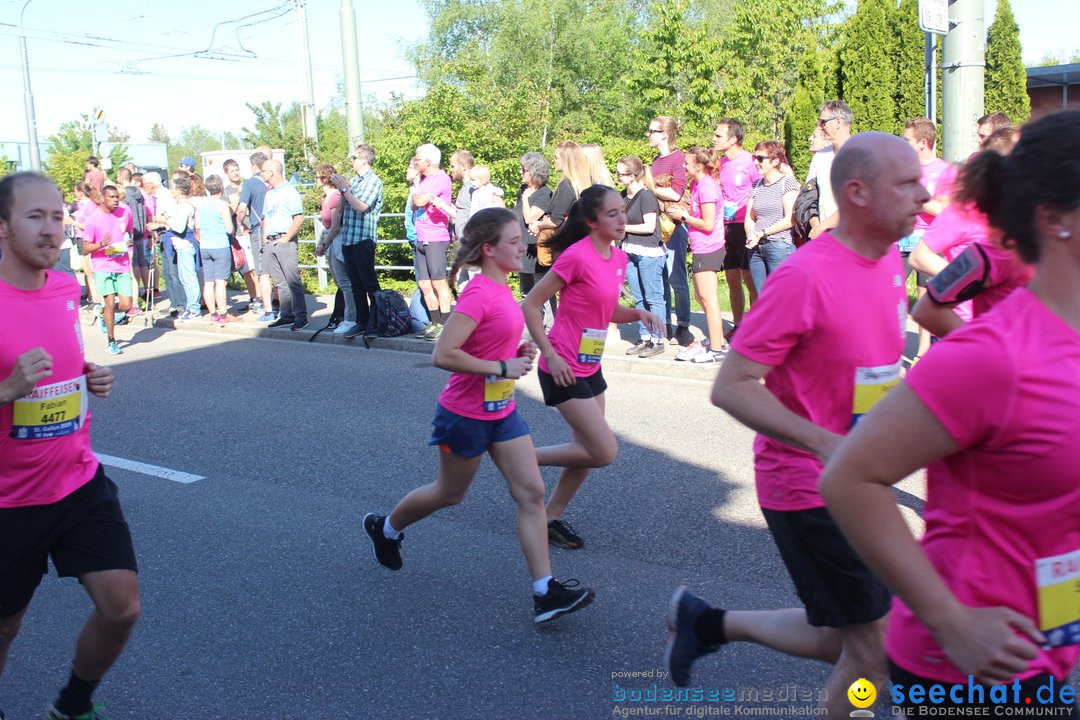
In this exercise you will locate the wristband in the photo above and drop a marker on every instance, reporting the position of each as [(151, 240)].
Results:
[(502, 368)]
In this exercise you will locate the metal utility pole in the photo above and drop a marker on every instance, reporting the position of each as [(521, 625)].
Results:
[(350, 57), (308, 118), (28, 96), (964, 69)]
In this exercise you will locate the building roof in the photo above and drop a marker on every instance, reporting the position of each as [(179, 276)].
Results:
[(1053, 76)]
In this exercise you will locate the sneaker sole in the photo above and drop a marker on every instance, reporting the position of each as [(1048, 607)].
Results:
[(578, 604), (564, 545), (371, 537), (672, 624)]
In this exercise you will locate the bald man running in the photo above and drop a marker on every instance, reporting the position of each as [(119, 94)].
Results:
[(822, 369)]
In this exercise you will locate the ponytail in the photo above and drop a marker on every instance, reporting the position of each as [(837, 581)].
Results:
[(575, 227)]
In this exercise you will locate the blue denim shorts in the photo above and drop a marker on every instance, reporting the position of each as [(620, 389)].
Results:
[(467, 437)]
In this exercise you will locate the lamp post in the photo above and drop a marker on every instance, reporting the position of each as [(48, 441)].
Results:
[(28, 96)]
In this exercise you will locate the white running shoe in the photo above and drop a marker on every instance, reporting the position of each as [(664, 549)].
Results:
[(344, 327), (707, 357), (693, 350)]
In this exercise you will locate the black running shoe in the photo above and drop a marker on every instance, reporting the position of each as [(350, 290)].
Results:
[(683, 645), (561, 598), (561, 534), (386, 551)]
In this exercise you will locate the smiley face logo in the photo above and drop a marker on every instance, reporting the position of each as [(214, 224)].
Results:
[(862, 693)]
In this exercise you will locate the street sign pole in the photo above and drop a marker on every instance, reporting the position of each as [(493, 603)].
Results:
[(964, 61)]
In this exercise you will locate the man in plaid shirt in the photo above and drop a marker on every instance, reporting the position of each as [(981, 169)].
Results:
[(362, 200)]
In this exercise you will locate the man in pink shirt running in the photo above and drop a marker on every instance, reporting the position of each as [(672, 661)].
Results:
[(55, 499), (822, 370)]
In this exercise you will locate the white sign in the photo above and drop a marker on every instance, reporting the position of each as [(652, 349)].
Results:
[(934, 16)]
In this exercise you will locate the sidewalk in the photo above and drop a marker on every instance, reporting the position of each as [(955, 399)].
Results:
[(320, 307)]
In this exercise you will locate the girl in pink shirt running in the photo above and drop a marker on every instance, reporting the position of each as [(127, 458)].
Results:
[(481, 347), (990, 594), (588, 274)]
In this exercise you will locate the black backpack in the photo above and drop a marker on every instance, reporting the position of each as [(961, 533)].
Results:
[(806, 207), (392, 318), (137, 205)]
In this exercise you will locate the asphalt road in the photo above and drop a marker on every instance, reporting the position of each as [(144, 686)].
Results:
[(260, 595)]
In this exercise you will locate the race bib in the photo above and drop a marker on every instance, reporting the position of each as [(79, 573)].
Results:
[(50, 411), (1058, 581), (591, 348), (498, 392), (907, 244), (871, 384)]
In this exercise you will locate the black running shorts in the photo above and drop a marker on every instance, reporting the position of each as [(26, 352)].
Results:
[(834, 584), (83, 533), (582, 389)]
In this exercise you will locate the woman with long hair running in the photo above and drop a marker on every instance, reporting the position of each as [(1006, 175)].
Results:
[(481, 347), (988, 596), (588, 274)]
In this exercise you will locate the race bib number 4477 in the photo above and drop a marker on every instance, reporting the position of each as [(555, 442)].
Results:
[(50, 411)]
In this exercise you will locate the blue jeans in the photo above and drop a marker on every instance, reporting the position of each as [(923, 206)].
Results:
[(645, 275), (766, 257), (675, 281), (189, 276)]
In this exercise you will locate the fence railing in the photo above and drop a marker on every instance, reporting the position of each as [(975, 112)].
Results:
[(323, 266)]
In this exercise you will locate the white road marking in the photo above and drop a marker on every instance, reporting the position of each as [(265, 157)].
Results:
[(145, 469)]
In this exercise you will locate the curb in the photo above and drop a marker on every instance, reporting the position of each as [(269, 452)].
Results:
[(614, 361)]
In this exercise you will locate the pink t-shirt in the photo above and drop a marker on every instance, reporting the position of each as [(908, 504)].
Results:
[(1007, 390), (150, 202), (1007, 272), (704, 192), (499, 323), (737, 178), (116, 226), (329, 202), (44, 437), (957, 227), (830, 324), (585, 305), (434, 225), (938, 177)]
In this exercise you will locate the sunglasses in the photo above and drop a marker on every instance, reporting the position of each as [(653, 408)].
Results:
[(624, 174), (825, 121), (760, 158), (652, 131)]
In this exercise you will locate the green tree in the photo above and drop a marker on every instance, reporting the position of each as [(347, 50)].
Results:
[(868, 65), (72, 144), (192, 142), (675, 69), (1006, 79), (7, 167), (910, 64), (802, 115), (279, 129), (760, 54), (158, 134)]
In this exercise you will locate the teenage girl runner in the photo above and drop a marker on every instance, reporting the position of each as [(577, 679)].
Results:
[(481, 346), (588, 274)]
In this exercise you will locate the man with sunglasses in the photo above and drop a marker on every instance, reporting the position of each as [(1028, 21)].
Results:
[(835, 122)]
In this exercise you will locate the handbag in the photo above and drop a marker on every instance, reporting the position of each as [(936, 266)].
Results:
[(238, 258)]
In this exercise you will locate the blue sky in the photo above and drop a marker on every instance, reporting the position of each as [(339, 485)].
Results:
[(82, 57)]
